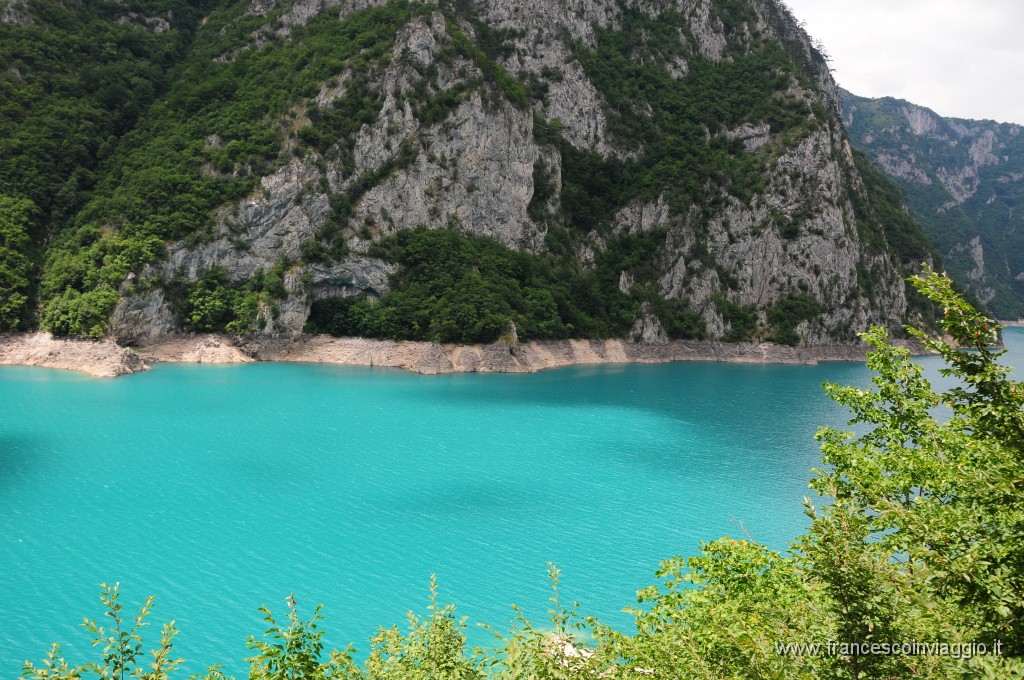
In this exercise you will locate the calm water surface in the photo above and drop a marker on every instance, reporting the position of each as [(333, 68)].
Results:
[(219, 489)]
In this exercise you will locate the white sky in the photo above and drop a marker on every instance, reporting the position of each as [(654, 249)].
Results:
[(960, 58)]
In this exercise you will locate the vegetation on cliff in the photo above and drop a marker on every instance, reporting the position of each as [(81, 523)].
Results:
[(453, 288), (172, 112), (15, 263), (917, 541)]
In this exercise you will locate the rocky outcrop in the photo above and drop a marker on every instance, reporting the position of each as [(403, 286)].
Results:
[(157, 24), (202, 349), (477, 174), (432, 358), (794, 237), (107, 359), (15, 13), (976, 275), (647, 329), (142, 317), (99, 358)]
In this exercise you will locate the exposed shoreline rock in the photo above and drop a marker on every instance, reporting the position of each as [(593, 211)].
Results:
[(431, 358), (105, 358), (98, 358)]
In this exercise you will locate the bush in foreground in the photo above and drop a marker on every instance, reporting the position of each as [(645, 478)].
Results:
[(921, 543)]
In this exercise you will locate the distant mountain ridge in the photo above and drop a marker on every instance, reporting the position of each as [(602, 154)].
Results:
[(963, 181)]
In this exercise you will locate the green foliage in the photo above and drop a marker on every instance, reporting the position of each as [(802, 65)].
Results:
[(720, 614), (788, 313), (15, 263), (122, 655), (742, 319), (72, 82), (216, 303), (435, 647), (543, 191), (294, 651), (83, 315), (454, 288), (556, 652), (922, 540)]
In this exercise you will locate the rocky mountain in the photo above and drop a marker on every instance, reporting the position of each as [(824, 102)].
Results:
[(963, 181), (458, 171)]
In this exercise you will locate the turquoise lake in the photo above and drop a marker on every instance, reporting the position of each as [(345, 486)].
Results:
[(222, 488)]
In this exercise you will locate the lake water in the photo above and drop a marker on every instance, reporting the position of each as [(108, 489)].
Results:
[(219, 489)]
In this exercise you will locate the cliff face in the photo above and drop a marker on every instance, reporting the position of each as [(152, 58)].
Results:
[(963, 180), (575, 132)]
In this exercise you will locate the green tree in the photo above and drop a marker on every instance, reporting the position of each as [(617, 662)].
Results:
[(16, 217), (924, 537), (122, 648), (294, 651), (434, 648), (720, 614), (84, 315)]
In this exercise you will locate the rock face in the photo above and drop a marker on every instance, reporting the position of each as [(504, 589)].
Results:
[(963, 180), (15, 13), (100, 358), (476, 168)]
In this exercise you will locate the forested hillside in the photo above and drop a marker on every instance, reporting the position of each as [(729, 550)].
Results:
[(654, 170), (963, 181), (75, 78)]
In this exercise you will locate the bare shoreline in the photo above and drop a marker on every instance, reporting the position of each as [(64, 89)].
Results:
[(105, 358)]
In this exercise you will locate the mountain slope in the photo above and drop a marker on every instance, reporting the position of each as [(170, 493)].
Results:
[(964, 182), (647, 169)]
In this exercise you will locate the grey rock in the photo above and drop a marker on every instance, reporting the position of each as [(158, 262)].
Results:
[(141, 318), (473, 171), (354, 276), (647, 328), (16, 13)]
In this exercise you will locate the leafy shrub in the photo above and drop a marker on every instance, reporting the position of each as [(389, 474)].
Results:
[(83, 315)]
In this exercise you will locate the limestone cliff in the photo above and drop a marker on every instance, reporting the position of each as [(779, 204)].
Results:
[(562, 130)]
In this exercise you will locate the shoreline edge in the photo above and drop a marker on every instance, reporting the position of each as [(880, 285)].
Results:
[(105, 358)]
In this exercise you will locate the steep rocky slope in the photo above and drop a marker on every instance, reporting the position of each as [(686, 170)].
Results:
[(964, 182), (648, 168)]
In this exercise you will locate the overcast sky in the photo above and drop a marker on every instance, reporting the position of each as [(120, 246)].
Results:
[(960, 58)]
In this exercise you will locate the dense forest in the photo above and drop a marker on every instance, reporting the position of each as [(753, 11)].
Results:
[(74, 84), (912, 564)]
